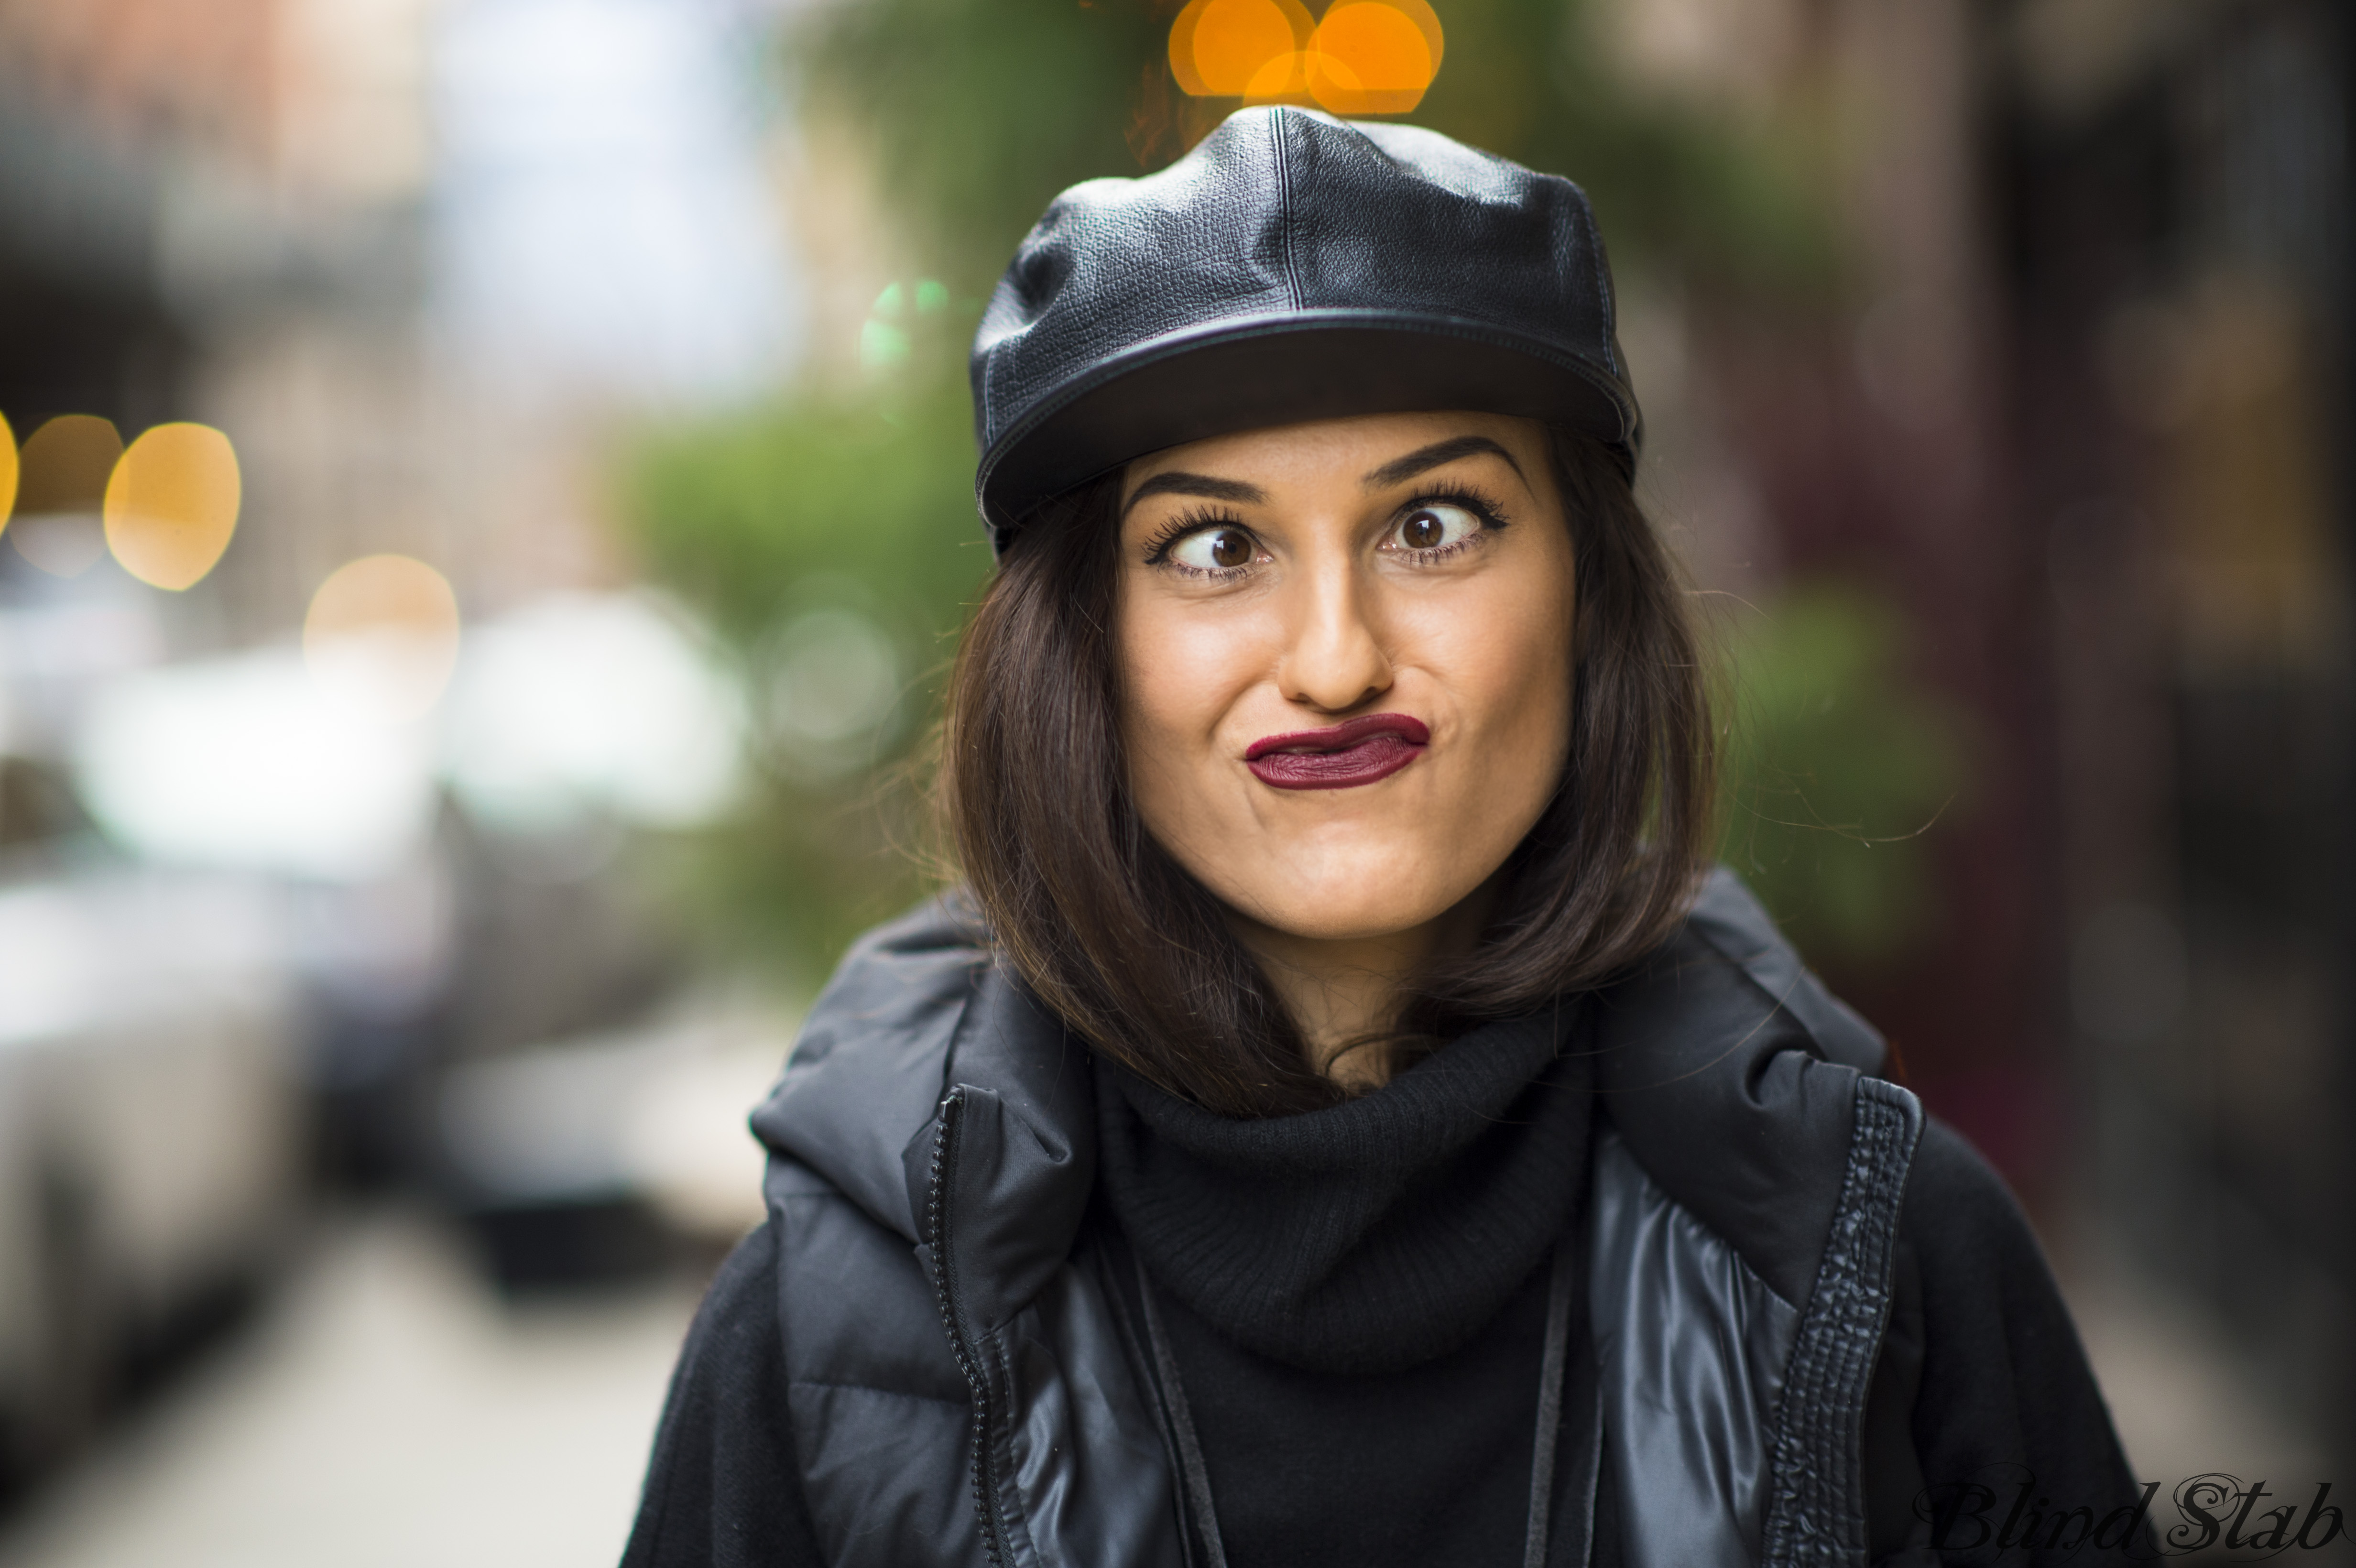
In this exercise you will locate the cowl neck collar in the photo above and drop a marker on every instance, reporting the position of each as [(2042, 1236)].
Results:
[(1366, 1236)]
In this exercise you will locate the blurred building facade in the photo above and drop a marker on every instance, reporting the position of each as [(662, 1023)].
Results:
[(239, 212), (2174, 182), (2080, 411), (214, 213)]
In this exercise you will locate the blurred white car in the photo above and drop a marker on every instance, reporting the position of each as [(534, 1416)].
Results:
[(587, 1155), (152, 1133)]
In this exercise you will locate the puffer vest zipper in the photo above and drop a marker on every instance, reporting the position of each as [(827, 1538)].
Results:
[(968, 1356)]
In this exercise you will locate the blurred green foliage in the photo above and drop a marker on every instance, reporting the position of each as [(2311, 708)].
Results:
[(857, 499), (735, 512), (804, 514), (1838, 767)]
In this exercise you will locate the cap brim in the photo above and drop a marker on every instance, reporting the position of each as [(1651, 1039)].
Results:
[(1287, 370)]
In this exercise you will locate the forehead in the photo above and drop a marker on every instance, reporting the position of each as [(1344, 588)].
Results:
[(1321, 452)]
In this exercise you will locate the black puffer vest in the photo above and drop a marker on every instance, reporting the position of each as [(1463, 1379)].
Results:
[(959, 1388)]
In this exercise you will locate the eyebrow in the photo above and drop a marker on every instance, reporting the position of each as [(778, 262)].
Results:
[(1399, 470), (1178, 482)]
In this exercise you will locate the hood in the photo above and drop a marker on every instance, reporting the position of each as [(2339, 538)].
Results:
[(1730, 1073), (917, 1006)]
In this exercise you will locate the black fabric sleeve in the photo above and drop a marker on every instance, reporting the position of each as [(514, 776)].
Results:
[(1893, 1471), (2019, 1462), (723, 1489)]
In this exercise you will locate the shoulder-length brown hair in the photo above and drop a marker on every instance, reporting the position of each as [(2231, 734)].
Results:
[(1135, 955)]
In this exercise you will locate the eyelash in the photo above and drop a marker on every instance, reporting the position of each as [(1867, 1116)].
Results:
[(1157, 549), (1482, 507), (1193, 521)]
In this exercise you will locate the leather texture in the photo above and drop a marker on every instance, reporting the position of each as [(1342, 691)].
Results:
[(1691, 1346), (960, 1385), (1291, 267)]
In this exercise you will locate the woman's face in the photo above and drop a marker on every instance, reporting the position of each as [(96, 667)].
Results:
[(1345, 659)]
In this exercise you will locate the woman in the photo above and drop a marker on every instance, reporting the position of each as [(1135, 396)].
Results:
[(1340, 1120)]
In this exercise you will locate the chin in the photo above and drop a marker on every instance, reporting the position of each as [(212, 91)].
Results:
[(1360, 904), (1319, 924)]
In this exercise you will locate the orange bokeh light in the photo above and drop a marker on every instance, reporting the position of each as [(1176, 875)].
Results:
[(1373, 57), (8, 471), (1367, 57), (1218, 47), (1281, 79), (172, 503)]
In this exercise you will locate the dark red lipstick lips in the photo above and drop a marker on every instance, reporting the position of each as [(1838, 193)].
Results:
[(1347, 755)]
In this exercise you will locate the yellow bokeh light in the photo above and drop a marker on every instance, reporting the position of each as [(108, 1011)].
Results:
[(8, 472), (172, 504), (61, 477), (66, 464), (383, 632), (1374, 57), (1218, 47)]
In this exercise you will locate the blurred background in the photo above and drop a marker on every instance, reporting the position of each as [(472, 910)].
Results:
[(487, 509)]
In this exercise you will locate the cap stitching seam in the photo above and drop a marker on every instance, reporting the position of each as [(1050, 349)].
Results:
[(1284, 208)]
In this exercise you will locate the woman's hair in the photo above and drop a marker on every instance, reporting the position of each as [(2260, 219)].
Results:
[(1136, 957)]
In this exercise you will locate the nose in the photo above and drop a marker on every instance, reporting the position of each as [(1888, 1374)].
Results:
[(1334, 659)]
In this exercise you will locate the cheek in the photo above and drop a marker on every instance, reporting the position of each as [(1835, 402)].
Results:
[(1506, 659), (1179, 676)]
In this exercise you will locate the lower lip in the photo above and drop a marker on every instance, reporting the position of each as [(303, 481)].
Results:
[(1374, 758)]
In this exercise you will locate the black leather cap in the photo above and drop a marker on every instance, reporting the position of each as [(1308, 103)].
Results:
[(1291, 267)]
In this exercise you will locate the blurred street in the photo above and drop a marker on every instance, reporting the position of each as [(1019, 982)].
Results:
[(388, 1409)]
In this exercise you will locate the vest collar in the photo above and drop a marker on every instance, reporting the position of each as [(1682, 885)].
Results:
[(1725, 1066)]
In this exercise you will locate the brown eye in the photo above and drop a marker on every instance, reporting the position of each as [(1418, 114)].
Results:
[(1213, 550), (1430, 528)]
